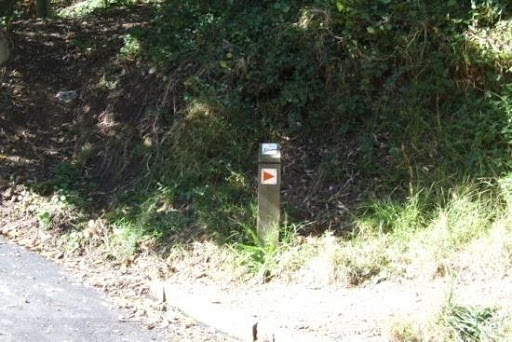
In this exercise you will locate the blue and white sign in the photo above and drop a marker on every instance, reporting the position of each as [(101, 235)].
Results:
[(269, 149)]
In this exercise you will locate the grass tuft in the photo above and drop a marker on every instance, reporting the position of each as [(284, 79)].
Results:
[(470, 324)]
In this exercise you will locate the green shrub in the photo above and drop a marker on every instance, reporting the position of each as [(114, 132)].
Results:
[(403, 95)]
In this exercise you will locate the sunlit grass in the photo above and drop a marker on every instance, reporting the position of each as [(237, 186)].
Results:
[(470, 236), (453, 322), (83, 8), (494, 42)]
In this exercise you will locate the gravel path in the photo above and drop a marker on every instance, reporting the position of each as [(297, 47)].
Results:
[(40, 303)]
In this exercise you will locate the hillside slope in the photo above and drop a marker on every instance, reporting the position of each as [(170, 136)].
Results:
[(394, 117)]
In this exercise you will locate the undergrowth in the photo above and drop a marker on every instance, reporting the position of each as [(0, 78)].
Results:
[(455, 323), (418, 101), (394, 116), (468, 235)]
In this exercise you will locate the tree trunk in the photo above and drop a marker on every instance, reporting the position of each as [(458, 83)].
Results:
[(42, 8), (5, 51)]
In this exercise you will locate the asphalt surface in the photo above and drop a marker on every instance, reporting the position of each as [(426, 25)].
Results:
[(39, 303)]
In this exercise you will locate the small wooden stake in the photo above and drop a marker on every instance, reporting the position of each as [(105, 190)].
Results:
[(269, 185)]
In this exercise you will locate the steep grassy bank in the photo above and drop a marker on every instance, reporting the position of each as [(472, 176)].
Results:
[(373, 101), (395, 118), (385, 109)]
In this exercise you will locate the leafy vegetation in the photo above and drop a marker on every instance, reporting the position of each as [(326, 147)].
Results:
[(469, 324), (456, 323), (395, 117)]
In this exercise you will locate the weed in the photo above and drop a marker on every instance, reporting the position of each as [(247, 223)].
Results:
[(258, 256), (157, 218), (505, 184), (45, 219), (266, 259), (470, 324), (404, 331), (383, 217), (131, 46), (83, 46), (468, 215), (259, 259), (73, 242), (453, 323), (357, 262), (128, 236)]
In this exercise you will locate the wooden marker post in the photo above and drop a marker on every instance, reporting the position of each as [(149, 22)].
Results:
[(269, 185)]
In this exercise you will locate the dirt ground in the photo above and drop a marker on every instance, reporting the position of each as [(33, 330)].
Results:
[(356, 314), (312, 311), (308, 308)]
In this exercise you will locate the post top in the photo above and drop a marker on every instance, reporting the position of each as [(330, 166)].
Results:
[(270, 153)]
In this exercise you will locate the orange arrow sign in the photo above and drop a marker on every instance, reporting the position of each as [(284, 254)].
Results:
[(267, 176)]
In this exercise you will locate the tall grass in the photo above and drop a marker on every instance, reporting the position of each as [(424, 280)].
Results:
[(453, 322), (402, 105), (467, 236)]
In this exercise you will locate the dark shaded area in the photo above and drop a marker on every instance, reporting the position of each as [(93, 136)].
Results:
[(370, 100), (80, 149)]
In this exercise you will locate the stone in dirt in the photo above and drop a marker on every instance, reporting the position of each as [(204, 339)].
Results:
[(8, 193)]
